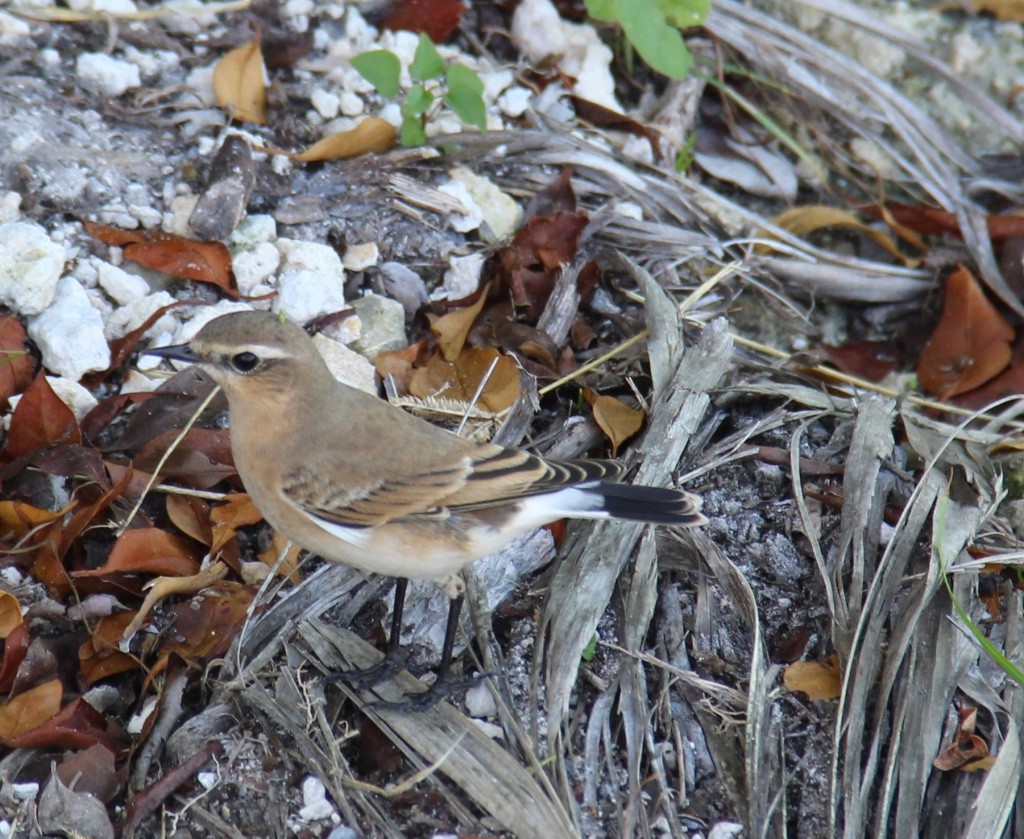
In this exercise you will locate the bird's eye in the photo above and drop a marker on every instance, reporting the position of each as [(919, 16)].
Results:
[(245, 362)]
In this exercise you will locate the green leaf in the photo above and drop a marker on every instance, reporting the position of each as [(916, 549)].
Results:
[(412, 132), (658, 42), (417, 101), (381, 68), (590, 650), (601, 9), (465, 95), (427, 62), (685, 13)]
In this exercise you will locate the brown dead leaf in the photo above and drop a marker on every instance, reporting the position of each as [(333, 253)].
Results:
[(239, 83), (398, 366), (237, 511), (163, 587), (614, 417), (871, 360), (100, 655), (75, 726), (148, 550), (460, 379), (17, 518), (971, 343), (15, 647), (191, 516), (16, 363), (436, 18), (371, 135), (30, 709), (186, 259), (452, 329), (201, 460), (290, 564), (40, 419), (10, 614), (818, 679), (801, 221), (92, 771), (1002, 9)]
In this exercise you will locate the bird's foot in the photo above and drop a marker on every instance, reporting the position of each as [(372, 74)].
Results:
[(384, 669), (443, 688)]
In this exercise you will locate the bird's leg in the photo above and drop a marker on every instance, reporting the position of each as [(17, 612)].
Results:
[(394, 659)]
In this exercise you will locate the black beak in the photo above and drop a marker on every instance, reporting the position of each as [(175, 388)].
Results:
[(179, 352)]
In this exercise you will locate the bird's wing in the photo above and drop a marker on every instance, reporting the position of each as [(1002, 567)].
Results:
[(488, 476)]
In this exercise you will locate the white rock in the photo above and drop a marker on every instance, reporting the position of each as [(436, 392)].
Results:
[(480, 701), (253, 230), (543, 37), (326, 103), (25, 792), (347, 365), (514, 101), (314, 800), (361, 256), (135, 723), (181, 209), (12, 29), (311, 281), (471, 216), (10, 207), (134, 313), (493, 731), (30, 266), (69, 333), (200, 80), (462, 277), (108, 75), (252, 267), (501, 214), (726, 830), (352, 104), (72, 394), (495, 82), (119, 285)]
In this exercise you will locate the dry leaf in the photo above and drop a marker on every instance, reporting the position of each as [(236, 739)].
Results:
[(148, 550), (17, 518), (436, 18), (459, 380), (163, 587), (615, 418), (801, 221), (290, 564), (971, 343), (1001, 9), (453, 328), (818, 679), (10, 613), (100, 655), (239, 83), (239, 511), (16, 363), (191, 516), (40, 419), (371, 135), (30, 709)]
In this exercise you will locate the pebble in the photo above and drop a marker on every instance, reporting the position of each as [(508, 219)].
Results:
[(69, 333), (462, 277), (383, 325), (31, 264), (314, 800), (347, 365), (361, 256), (106, 74), (311, 281)]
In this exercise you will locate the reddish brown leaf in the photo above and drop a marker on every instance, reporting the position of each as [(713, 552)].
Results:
[(934, 221), (40, 419), (399, 365), (602, 117), (15, 647), (202, 459), (29, 710), (437, 18), (965, 750), (970, 345), (123, 347), (557, 196), (206, 630), (16, 364), (100, 655), (148, 550), (871, 360), (95, 771), (186, 259), (191, 516), (75, 726)]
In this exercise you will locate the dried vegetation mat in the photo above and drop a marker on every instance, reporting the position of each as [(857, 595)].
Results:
[(838, 653)]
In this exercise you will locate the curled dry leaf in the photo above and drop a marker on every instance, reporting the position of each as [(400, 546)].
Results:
[(75, 726), (452, 329), (971, 343), (818, 679), (30, 709), (191, 516), (239, 83), (100, 654), (18, 518), (238, 511), (148, 550), (802, 221), (163, 587), (10, 613), (186, 259), (371, 135), (614, 417)]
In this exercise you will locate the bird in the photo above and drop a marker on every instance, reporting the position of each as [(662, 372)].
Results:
[(358, 481)]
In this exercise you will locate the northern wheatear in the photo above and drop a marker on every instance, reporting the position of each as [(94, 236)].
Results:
[(361, 482)]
